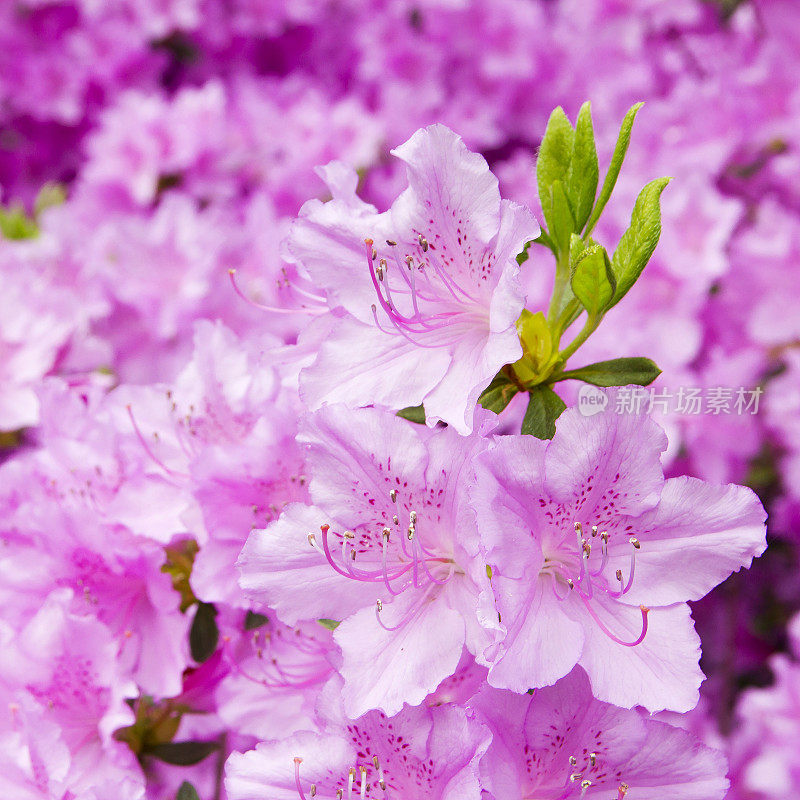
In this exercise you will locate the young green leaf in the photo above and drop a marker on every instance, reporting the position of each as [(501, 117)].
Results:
[(182, 754), (555, 153), (413, 414), (621, 148), (497, 395), (187, 792), (524, 255), (544, 408), (560, 220), (639, 241), (253, 621), (584, 171), (204, 633), (593, 282), (617, 372)]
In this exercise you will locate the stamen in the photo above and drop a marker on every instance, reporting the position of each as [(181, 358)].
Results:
[(363, 791), (622, 791), (297, 763), (351, 776), (645, 611), (271, 309), (146, 446), (585, 786)]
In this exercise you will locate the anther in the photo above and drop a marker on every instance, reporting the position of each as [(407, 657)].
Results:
[(619, 575), (410, 262), (593, 758), (573, 760), (386, 534), (393, 495), (578, 528), (594, 530), (411, 532), (380, 606), (570, 583), (576, 776), (374, 253), (587, 547), (313, 791), (622, 791), (396, 519), (604, 536), (423, 243), (312, 540), (635, 542), (413, 517), (391, 243), (349, 535)]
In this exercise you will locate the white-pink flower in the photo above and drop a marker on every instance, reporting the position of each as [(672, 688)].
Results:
[(426, 294)]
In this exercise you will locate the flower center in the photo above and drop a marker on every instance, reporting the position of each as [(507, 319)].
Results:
[(434, 307), (582, 572)]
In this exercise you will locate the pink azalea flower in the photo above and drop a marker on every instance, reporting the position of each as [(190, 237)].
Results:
[(764, 764), (562, 744), (389, 521), (424, 753), (275, 675), (426, 308), (68, 668), (593, 556)]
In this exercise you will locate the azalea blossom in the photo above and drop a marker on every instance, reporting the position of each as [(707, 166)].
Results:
[(593, 556), (424, 753), (563, 744), (426, 294), (390, 523)]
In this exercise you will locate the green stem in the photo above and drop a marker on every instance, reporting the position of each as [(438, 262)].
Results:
[(560, 284), (588, 329)]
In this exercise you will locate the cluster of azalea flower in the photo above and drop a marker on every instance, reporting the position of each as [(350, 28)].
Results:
[(321, 474)]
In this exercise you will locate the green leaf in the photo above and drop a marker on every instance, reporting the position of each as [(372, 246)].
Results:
[(621, 148), (593, 281), (204, 633), (182, 754), (253, 621), (544, 408), (584, 171), (330, 624), (413, 414), (617, 372), (639, 241), (497, 395), (555, 154), (561, 220), (187, 792)]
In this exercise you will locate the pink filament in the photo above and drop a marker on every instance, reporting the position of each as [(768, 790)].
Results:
[(147, 449), (297, 762), (612, 636), (271, 309)]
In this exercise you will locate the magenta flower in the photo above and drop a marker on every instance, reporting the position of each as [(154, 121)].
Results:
[(274, 676), (426, 294), (424, 753), (389, 522), (562, 744), (594, 555)]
